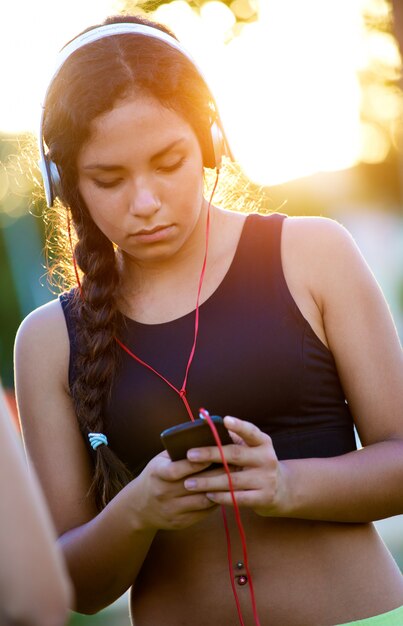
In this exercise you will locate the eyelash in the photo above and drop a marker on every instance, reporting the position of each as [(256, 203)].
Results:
[(168, 169), (172, 168), (100, 183)]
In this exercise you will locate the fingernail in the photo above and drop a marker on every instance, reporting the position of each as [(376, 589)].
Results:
[(229, 421), (210, 496), (193, 455), (190, 483)]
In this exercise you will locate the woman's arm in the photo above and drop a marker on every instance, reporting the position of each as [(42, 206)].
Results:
[(34, 587), (104, 551), (360, 332), (353, 318), (360, 486)]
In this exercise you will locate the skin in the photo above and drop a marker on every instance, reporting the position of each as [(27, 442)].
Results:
[(306, 521), (34, 590)]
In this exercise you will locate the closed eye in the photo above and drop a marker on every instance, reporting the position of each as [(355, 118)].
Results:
[(173, 167), (107, 184)]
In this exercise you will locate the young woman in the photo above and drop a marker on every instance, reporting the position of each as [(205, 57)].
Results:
[(283, 328), (34, 586)]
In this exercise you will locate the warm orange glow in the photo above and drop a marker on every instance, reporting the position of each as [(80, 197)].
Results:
[(301, 90), (31, 35), (290, 88)]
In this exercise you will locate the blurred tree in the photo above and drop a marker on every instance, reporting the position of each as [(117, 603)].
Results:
[(9, 316), (21, 243), (398, 22), (243, 10)]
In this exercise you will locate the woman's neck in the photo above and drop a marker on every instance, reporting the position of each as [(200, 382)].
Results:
[(148, 288)]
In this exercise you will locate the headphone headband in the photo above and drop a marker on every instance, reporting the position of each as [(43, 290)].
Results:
[(108, 30), (50, 174)]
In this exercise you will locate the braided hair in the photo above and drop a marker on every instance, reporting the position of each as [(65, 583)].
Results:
[(89, 84)]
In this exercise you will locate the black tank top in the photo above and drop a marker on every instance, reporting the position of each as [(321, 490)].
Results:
[(257, 358)]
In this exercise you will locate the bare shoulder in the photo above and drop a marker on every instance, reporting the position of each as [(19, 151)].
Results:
[(48, 318), (319, 239), (44, 331), (317, 231), (322, 252), (42, 340)]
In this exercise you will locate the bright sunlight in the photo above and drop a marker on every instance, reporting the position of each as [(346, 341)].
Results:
[(290, 85)]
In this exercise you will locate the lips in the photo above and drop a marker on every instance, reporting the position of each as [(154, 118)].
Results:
[(150, 231), (155, 234)]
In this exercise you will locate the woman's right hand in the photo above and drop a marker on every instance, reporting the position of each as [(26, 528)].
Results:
[(161, 500)]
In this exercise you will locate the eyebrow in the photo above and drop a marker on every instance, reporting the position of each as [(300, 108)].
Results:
[(157, 155)]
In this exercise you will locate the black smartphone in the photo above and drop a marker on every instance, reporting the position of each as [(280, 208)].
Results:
[(179, 439)]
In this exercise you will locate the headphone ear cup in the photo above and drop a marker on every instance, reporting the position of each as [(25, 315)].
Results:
[(51, 180), (217, 148), (218, 142), (56, 180)]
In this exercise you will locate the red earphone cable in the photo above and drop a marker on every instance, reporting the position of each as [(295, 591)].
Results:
[(241, 530), (230, 566), (182, 394), (182, 391), (192, 352)]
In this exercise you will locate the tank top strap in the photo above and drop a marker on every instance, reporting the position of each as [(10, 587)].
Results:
[(261, 245), (66, 300)]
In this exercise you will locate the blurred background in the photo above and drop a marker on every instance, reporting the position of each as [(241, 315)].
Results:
[(311, 95)]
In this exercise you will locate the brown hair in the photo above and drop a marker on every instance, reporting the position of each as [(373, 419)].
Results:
[(90, 82)]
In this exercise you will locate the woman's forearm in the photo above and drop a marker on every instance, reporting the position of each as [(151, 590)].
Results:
[(360, 486), (105, 555)]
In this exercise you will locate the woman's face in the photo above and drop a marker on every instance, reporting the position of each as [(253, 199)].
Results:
[(141, 177)]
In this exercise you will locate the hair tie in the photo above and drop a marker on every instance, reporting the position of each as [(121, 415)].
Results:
[(97, 439)]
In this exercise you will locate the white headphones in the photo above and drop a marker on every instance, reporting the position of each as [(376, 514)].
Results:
[(49, 171)]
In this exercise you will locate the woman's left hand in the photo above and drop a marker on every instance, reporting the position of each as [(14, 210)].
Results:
[(259, 479)]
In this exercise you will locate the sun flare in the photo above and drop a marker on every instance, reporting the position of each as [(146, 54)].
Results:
[(289, 87)]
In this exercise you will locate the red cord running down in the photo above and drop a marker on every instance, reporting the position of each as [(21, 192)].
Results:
[(205, 414), (182, 394), (182, 391)]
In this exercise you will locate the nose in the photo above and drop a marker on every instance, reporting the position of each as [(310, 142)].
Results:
[(144, 199)]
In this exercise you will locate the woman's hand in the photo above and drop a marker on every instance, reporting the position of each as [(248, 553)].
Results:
[(162, 502), (258, 478)]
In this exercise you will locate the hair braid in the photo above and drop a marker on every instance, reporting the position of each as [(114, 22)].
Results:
[(89, 84), (97, 325)]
